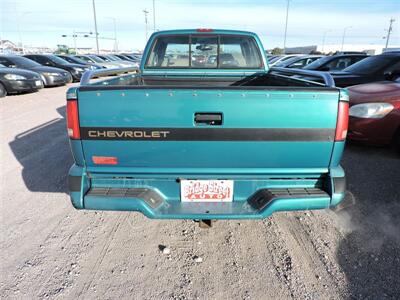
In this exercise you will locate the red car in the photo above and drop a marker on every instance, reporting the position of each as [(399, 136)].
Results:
[(375, 113)]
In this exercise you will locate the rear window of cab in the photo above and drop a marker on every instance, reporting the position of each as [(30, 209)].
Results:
[(204, 52)]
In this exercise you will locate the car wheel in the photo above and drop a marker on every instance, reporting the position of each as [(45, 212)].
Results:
[(3, 91), (43, 80)]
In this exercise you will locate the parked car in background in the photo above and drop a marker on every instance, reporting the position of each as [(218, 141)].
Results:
[(335, 62), (50, 76), (74, 60), (371, 69), (127, 58), (51, 60), (94, 60), (13, 80), (298, 62), (117, 61), (272, 62), (375, 113), (135, 56)]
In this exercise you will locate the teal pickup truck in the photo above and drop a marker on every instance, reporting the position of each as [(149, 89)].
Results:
[(205, 130)]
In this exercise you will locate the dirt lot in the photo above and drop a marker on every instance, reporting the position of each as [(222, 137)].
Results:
[(50, 250)]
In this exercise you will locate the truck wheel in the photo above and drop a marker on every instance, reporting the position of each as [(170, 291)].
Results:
[(397, 140), (3, 91)]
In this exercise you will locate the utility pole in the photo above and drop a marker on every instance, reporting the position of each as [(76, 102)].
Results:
[(389, 31), (343, 36), (287, 18), (145, 20), (95, 27), (154, 16)]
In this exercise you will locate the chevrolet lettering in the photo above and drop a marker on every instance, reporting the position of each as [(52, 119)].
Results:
[(133, 134), (208, 131)]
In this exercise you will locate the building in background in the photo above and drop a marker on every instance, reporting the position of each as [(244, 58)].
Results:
[(370, 49), (8, 47)]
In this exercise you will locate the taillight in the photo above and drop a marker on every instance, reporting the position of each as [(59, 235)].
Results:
[(205, 30), (73, 119), (342, 121), (105, 160)]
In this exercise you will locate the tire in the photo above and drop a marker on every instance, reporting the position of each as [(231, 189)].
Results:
[(397, 140), (3, 91), (43, 80)]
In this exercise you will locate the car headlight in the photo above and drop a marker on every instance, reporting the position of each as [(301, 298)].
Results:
[(371, 110), (51, 74), (14, 77)]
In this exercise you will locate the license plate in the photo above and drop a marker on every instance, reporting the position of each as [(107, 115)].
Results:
[(206, 190), (38, 83)]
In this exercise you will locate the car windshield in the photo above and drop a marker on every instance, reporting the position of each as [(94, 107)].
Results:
[(96, 59), (372, 64), (288, 62), (84, 58), (22, 62), (57, 60), (319, 62), (113, 57), (75, 60), (273, 59)]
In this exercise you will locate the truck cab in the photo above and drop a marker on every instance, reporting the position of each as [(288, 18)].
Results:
[(206, 131)]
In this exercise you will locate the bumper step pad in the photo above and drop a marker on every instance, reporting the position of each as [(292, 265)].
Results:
[(150, 196), (263, 197)]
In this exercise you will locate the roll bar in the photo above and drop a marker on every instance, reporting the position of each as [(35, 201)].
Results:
[(325, 76), (105, 72)]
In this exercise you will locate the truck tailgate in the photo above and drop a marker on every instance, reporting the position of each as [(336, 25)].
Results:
[(154, 130)]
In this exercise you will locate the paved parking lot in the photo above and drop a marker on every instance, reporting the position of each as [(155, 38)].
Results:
[(50, 250)]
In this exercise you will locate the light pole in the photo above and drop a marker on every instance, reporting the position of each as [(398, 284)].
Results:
[(115, 34), (95, 27), (19, 16), (389, 31), (343, 36), (286, 24), (154, 16), (74, 36), (323, 39), (145, 20)]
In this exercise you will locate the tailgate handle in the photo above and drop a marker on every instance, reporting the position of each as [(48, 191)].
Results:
[(208, 119)]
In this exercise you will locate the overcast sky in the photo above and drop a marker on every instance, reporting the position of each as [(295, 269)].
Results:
[(42, 22)]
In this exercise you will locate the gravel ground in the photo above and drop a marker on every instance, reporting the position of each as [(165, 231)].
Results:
[(50, 250)]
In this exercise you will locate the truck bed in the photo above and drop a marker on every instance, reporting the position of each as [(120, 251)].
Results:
[(261, 80)]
